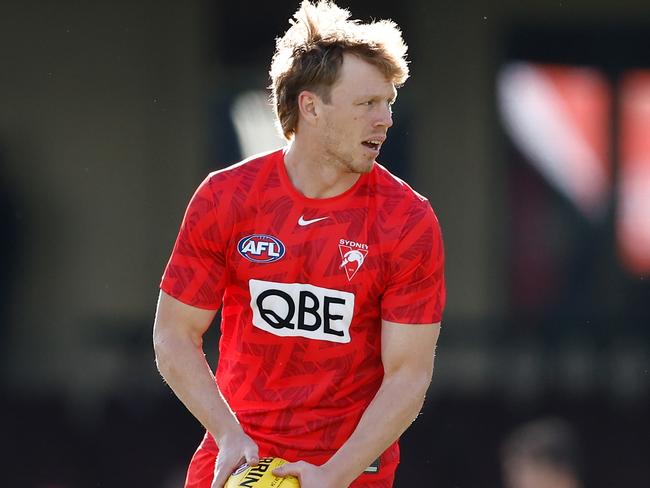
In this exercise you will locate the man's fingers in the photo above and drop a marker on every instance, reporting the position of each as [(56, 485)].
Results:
[(222, 473), (292, 469), (219, 478), (252, 457)]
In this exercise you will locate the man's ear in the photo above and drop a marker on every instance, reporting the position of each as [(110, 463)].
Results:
[(309, 106)]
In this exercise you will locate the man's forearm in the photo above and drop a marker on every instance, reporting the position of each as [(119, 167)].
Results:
[(182, 364), (396, 404)]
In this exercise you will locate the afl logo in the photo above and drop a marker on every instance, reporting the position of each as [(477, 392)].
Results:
[(261, 248)]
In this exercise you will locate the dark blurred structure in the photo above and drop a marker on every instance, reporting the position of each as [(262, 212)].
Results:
[(10, 223), (543, 453), (112, 113)]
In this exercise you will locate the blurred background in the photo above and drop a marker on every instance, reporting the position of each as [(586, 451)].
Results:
[(526, 124)]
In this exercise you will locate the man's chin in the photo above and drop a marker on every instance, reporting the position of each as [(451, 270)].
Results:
[(360, 166), (363, 166), (367, 168)]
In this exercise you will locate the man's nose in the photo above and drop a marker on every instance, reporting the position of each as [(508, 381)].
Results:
[(385, 117)]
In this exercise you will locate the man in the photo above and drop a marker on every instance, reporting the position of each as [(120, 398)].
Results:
[(328, 269)]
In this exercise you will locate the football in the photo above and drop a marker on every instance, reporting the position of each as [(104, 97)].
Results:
[(261, 476)]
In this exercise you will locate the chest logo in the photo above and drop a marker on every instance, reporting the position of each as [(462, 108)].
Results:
[(302, 222), (261, 248), (353, 255)]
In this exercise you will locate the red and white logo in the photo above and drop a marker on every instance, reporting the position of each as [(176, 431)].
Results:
[(353, 255)]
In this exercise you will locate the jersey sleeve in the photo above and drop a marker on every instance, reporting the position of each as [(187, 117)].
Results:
[(415, 293), (195, 273)]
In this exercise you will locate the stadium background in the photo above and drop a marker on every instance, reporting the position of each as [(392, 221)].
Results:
[(112, 112)]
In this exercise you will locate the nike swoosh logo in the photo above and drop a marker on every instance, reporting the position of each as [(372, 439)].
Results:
[(302, 222)]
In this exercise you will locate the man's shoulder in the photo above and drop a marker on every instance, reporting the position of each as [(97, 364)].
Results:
[(393, 186), (246, 169), (401, 203)]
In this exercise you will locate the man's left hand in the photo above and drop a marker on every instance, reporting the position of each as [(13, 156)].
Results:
[(309, 475)]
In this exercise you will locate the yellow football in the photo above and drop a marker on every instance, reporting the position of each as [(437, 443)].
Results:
[(261, 476)]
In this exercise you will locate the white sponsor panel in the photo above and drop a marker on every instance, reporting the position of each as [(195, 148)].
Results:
[(301, 310)]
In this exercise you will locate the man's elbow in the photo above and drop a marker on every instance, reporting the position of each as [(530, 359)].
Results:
[(417, 380), (421, 381), (162, 348), (171, 343)]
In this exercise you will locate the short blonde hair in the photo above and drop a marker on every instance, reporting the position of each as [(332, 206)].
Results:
[(310, 54)]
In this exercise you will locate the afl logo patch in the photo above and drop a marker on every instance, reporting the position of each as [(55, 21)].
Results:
[(261, 248)]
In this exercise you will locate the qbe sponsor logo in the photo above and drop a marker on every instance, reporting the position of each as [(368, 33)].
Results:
[(301, 310), (261, 248)]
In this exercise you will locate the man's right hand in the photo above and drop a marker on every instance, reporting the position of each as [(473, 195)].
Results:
[(234, 450)]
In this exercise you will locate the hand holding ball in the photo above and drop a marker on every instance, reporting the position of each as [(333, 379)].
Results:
[(261, 476)]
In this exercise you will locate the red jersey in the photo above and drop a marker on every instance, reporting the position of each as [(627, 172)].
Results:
[(303, 285)]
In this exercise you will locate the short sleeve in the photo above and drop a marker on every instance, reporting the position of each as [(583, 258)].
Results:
[(415, 292), (195, 273)]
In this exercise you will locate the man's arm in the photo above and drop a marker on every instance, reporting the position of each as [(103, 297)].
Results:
[(407, 354), (178, 344)]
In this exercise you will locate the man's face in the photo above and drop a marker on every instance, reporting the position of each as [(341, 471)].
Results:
[(355, 121)]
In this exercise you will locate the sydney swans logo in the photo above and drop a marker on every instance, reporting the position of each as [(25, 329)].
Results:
[(353, 255)]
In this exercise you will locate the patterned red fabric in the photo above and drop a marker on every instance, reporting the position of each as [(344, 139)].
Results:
[(303, 285)]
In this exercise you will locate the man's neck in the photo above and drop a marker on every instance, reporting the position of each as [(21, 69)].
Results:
[(313, 175)]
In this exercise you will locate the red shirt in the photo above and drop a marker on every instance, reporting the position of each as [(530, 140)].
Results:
[(303, 285)]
